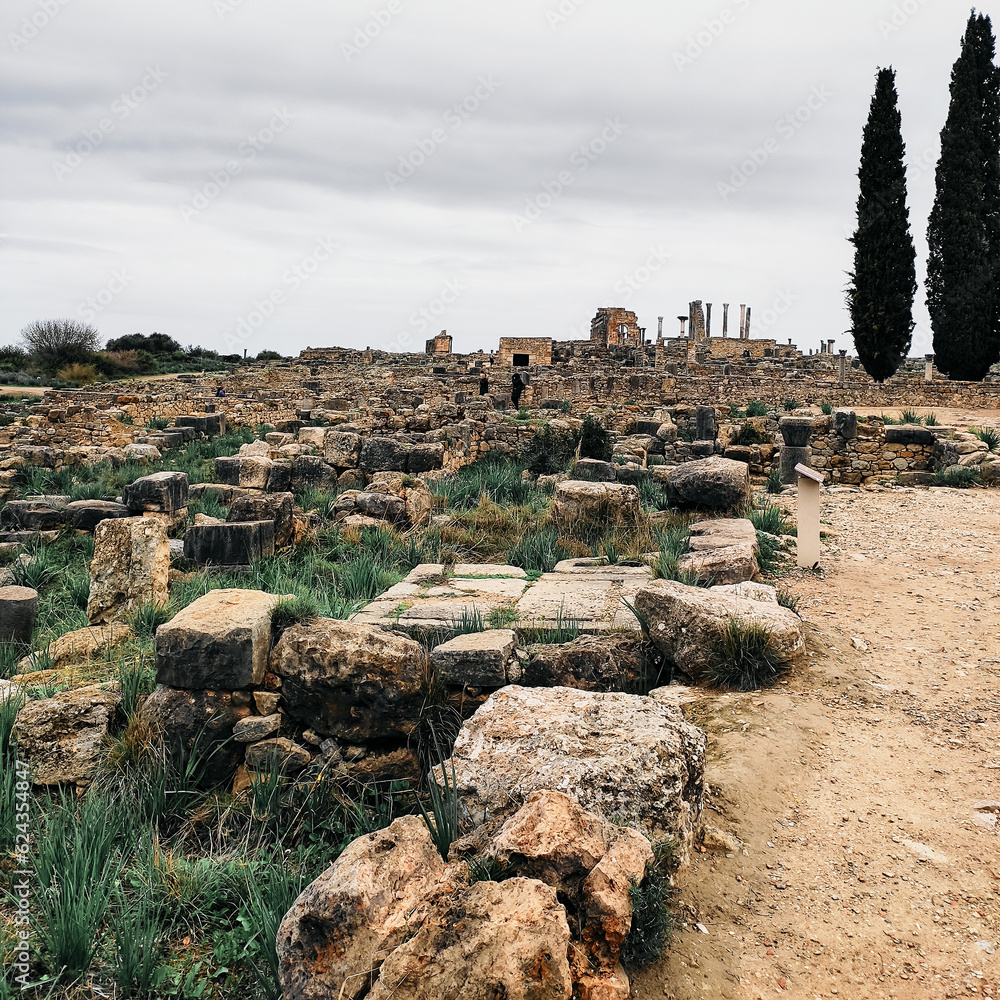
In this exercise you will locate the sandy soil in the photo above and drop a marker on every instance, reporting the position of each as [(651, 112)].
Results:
[(867, 870)]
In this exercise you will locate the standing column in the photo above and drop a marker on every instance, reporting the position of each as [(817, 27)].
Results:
[(843, 368), (748, 324), (683, 320), (743, 321), (928, 367), (659, 328), (725, 319), (708, 320)]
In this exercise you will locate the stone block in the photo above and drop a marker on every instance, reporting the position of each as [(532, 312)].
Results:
[(342, 448), (594, 470), (351, 681), (276, 507), (382, 454), (425, 458), (163, 492), (845, 424), (31, 515), (909, 434), (131, 566), (578, 503), (221, 640), (240, 543), (62, 737), (478, 659), (85, 515), (712, 483), (208, 424)]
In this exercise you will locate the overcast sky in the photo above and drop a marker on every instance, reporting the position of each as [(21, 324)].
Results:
[(245, 174)]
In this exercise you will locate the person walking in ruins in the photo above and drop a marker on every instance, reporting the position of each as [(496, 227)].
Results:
[(516, 388), (484, 386)]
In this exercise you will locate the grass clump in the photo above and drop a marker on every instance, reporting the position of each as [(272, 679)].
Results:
[(930, 420), (988, 436), (148, 617), (500, 481), (745, 657), (291, 611), (538, 551), (956, 478), (773, 484), (772, 519), (469, 622), (790, 404), (788, 600), (909, 417), (652, 911), (826, 409), (756, 409)]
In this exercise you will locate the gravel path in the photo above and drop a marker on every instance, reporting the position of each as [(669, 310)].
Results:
[(865, 789)]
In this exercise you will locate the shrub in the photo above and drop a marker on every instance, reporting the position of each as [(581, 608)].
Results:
[(565, 406), (595, 440), (652, 917), (790, 404), (749, 434), (826, 408), (77, 372), (550, 451), (756, 409), (909, 417), (745, 657), (56, 343)]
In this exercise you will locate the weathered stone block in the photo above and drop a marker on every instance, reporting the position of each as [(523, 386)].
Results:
[(909, 434), (713, 483), (164, 492), (85, 515), (578, 503), (478, 659), (18, 607), (277, 507), (208, 424), (382, 454), (31, 515), (342, 448), (240, 543), (131, 566), (221, 640), (354, 682)]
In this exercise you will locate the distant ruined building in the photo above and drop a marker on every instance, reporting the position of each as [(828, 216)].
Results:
[(614, 327)]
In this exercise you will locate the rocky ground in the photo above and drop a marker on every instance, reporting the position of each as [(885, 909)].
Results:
[(865, 789)]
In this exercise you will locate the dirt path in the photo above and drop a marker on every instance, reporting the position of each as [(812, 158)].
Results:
[(866, 869)]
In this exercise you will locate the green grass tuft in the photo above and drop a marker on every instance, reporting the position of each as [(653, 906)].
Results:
[(745, 657)]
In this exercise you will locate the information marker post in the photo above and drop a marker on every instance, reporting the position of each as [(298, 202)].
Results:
[(808, 546)]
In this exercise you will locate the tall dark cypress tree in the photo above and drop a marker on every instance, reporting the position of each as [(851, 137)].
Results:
[(963, 267), (884, 280)]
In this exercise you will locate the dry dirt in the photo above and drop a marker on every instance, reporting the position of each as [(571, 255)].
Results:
[(867, 870)]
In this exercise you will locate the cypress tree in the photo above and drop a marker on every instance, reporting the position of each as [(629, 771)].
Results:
[(883, 283), (963, 233)]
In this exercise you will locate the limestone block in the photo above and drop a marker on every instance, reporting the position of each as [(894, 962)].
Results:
[(577, 503), (85, 515), (276, 507), (478, 659), (351, 681), (130, 567), (713, 483), (18, 607), (221, 640), (687, 622), (617, 754), (61, 737), (342, 448), (239, 543), (164, 492), (31, 515)]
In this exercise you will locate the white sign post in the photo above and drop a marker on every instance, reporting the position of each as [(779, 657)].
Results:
[(808, 546)]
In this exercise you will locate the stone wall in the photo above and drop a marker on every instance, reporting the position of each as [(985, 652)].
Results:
[(537, 349)]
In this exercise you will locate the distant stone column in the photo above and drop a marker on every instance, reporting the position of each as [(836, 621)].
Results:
[(18, 607), (928, 367), (708, 320), (843, 368), (743, 321), (725, 319), (795, 433), (748, 324), (683, 320), (659, 327), (696, 328)]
